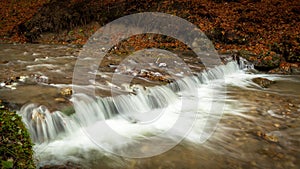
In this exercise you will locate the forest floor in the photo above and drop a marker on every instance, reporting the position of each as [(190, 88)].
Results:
[(267, 28)]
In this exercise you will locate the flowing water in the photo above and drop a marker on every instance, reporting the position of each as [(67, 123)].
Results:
[(235, 122)]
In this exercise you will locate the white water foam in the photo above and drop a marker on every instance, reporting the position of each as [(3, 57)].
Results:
[(61, 138)]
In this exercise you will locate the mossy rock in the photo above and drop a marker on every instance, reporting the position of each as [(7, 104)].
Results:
[(16, 147), (246, 54), (68, 110), (267, 61)]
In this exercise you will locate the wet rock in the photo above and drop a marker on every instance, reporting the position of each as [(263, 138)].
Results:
[(271, 138), (40, 78), (267, 61), (67, 92), (69, 110), (9, 105), (59, 99), (268, 137), (10, 83), (287, 68), (162, 65), (263, 82), (279, 71), (154, 76), (12, 86), (29, 81), (4, 61), (23, 78), (277, 125)]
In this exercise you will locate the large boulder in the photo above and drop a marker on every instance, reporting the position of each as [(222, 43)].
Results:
[(267, 61)]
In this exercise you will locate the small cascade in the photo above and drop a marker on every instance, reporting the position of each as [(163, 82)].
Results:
[(42, 124), (46, 126), (244, 64)]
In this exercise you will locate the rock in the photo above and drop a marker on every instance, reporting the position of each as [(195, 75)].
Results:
[(267, 61), (4, 62), (271, 138), (59, 99), (23, 78), (69, 110), (263, 82), (287, 68), (246, 54), (281, 70), (267, 137), (41, 78), (277, 125), (10, 83), (66, 91), (155, 76), (30, 81), (162, 65)]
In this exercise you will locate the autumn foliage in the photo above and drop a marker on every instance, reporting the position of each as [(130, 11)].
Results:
[(253, 25)]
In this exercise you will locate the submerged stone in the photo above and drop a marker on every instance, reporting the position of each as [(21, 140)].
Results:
[(263, 82), (59, 99)]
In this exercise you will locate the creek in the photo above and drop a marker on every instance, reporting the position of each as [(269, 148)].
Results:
[(231, 122)]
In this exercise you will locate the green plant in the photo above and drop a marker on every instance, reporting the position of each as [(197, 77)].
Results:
[(16, 147), (70, 33)]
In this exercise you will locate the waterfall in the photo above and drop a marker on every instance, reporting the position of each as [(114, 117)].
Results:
[(44, 125)]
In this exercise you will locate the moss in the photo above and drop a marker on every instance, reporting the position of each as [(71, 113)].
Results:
[(16, 147), (68, 110)]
